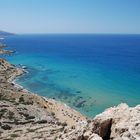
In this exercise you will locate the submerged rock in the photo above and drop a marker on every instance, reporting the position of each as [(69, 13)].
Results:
[(80, 104), (78, 91)]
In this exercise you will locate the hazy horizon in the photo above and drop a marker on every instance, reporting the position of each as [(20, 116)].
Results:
[(70, 17), (45, 33)]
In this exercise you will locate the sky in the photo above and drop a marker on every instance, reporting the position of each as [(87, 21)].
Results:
[(70, 16)]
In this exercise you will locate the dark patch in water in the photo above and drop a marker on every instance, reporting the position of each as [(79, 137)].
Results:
[(50, 71), (78, 91), (93, 103), (64, 95), (78, 98), (80, 104)]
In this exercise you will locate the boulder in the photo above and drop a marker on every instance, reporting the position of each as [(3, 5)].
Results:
[(123, 121)]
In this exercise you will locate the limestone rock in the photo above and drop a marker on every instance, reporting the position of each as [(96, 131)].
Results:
[(102, 127), (87, 134), (95, 137), (125, 122)]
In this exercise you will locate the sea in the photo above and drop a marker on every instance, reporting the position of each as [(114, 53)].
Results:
[(88, 72)]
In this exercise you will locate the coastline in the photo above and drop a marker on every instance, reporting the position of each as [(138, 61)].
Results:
[(18, 86), (64, 116), (58, 105), (26, 115)]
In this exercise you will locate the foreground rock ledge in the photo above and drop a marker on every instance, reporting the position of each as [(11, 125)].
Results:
[(27, 116)]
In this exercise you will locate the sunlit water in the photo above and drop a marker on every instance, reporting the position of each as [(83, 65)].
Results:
[(88, 72)]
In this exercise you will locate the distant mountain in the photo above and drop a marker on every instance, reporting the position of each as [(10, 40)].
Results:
[(4, 34)]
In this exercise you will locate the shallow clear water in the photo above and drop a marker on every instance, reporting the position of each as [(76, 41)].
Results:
[(88, 72)]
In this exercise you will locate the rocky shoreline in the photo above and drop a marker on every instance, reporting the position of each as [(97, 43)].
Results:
[(26, 116), (6, 52)]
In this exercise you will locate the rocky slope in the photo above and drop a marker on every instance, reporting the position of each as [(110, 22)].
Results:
[(116, 123), (123, 122), (21, 110), (27, 116)]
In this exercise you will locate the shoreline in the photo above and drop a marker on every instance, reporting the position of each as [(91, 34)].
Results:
[(18, 86), (61, 110), (59, 103), (26, 115)]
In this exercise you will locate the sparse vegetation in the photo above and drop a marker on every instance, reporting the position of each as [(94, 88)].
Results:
[(30, 117), (11, 115), (21, 99), (64, 124), (14, 135)]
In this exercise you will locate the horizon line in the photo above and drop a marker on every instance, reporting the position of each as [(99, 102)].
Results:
[(80, 33)]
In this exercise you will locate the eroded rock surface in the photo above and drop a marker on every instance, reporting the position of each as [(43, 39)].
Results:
[(125, 122)]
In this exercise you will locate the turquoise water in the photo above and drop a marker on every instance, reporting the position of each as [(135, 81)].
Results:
[(88, 72)]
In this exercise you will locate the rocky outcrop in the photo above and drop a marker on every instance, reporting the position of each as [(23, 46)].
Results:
[(8, 72), (116, 123), (5, 52), (122, 122)]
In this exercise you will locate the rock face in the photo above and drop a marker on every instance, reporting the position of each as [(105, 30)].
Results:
[(124, 122), (116, 123), (8, 72), (27, 116)]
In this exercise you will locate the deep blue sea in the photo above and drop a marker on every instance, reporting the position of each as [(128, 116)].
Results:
[(87, 72)]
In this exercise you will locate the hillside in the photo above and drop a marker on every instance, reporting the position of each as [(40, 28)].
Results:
[(4, 34)]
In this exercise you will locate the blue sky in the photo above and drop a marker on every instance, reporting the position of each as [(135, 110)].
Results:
[(70, 16)]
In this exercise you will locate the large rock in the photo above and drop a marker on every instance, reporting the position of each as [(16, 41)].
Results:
[(123, 121), (102, 127)]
